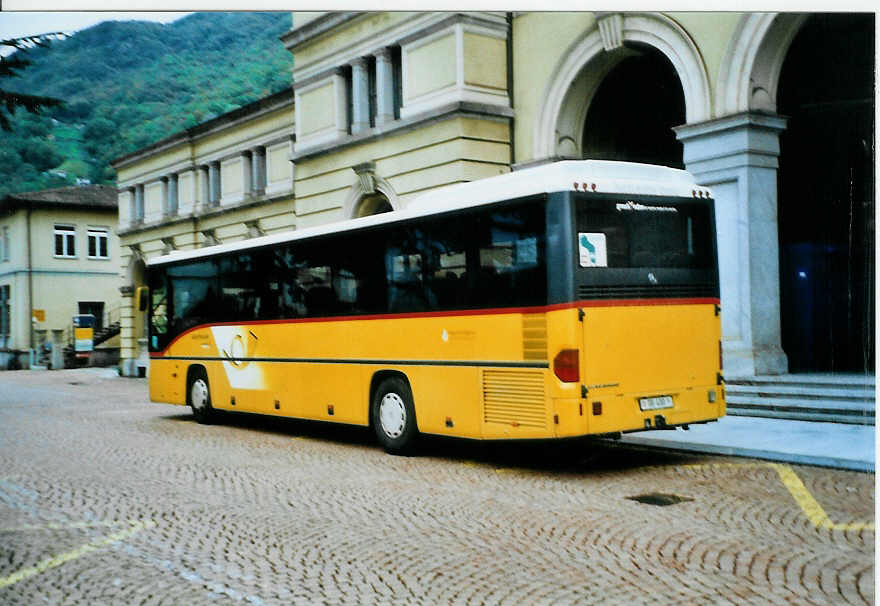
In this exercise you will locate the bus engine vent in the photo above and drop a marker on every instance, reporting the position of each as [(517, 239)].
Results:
[(659, 291), (534, 336), (514, 397)]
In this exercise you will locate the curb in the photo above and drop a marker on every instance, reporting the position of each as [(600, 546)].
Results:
[(754, 453)]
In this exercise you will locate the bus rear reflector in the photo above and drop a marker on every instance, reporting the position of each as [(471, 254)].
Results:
[(566, 366)]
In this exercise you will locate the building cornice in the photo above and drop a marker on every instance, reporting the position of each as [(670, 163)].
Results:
[(317, 27), (487, 21), (199, 215), (452, 110), (414, 27), (190, 135)]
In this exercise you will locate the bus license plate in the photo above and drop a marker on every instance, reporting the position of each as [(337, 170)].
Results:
[(655, 403)]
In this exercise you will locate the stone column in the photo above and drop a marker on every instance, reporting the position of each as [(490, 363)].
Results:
[(172, 194), (737, 156), (258, 165), (247, 171), (128, 339), (214, 183), (384, 87), (360, 92)]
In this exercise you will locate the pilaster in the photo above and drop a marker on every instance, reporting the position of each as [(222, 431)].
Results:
[(360, 91), (173, 196), (204, 187), (384, 86), (214, 183), (738, 157)]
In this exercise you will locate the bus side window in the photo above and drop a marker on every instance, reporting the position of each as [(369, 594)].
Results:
[(447, 261), (511, 256), (194, 288), (405, 285)]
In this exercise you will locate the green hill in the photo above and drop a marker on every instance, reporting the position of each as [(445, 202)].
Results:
[(128, 84)]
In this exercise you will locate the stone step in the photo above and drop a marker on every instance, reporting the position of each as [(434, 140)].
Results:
[(833, 381), (802, 391), (834, 410), (804, 415)]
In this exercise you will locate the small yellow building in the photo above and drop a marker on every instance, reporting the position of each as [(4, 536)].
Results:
[(59, 257)]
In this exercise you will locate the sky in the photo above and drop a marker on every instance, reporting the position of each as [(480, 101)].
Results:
[(17, 24)]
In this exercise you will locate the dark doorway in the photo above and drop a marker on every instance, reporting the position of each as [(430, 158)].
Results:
[(632, 113), (826, 199)]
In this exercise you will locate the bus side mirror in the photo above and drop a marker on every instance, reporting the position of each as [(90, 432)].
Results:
[(143, 298)]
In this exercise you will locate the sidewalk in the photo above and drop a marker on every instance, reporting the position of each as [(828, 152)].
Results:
[(838, 445)]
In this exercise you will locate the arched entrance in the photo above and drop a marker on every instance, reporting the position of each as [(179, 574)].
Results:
[(372, 204), (561, 118), (826, 206), (632, 113), (370, 194)]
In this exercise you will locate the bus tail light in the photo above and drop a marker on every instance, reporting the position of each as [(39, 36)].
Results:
[(566, 366), (720, 356)]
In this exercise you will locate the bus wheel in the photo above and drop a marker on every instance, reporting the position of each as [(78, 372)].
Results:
[(199, 396), (394, 416)]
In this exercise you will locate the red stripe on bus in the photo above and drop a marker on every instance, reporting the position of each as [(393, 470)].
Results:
[(463, 312)]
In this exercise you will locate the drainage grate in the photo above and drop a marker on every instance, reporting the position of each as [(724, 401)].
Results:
[(662, 500)]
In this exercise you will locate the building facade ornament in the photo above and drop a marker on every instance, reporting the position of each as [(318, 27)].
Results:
[(611, 29), (366, 173)]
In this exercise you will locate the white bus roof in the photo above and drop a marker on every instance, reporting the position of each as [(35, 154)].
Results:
[(592, 176)]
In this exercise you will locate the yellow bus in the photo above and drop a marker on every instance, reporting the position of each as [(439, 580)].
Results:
[(572, 299)]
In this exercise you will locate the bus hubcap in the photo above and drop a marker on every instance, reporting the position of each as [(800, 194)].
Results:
[(392, 415), (199, 394)]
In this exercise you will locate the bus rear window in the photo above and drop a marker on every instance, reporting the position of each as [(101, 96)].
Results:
[(629, 233)]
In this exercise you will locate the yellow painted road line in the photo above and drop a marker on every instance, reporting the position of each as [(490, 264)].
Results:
[(808, 504), (60, 559), (66, 526), (799, 492)]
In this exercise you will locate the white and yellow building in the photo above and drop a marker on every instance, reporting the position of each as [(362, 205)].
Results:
[(59, 257), (387, 105)]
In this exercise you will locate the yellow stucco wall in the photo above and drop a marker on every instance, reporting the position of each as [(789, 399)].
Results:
[(185, 193), (319, 107), (450, 151), (429, 67), (712, 33), (278, 167), (540, 42), (485, 61), (231, 177), (152, 201)]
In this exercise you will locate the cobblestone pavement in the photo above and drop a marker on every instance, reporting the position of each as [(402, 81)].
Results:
[(106, 498)]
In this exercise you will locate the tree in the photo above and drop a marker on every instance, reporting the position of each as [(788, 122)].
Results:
[(9, 68)]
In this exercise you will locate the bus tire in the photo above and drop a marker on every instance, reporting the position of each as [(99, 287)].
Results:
[(198, 396), (393, 416)]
